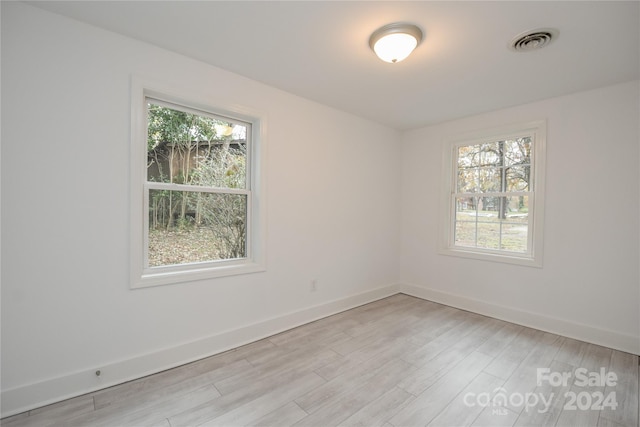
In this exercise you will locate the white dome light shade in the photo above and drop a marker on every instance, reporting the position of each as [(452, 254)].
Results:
[(395, 47), (394, 42)]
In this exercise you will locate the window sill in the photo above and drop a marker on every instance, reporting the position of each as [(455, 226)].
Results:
[(523, 260), (160, 277)]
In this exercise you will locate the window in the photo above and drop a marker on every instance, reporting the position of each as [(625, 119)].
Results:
[(195, 191), (493, 206)]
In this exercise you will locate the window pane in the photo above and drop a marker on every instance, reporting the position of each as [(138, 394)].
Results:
[(468, 156), (193, 149), (490, 154), (466, 208), (518, 151), (468, 180), (466, 217), (489, 235), (517, 209), (490, 179), (187, 227), (518, 178), (489, 208), (465, 234), (514, 237)]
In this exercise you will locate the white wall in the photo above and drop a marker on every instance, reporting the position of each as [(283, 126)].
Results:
[(589, 284), (67, 310)]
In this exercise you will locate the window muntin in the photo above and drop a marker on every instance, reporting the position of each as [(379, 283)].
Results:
[(493, 203)]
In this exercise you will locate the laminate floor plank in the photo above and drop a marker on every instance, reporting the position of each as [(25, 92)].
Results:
[(525, 378), (149, 413), (374, 310), (443, 320), (221, 364), (268, 402), (349, 364), (378, 346), (217, 407), (625, 367), (468, 404), (572, 352), (546, 401), (430, 371), (432, 401), (440, 320), (500, 340), (496, 417), (594, 357), (378, 412), (16, 420), (341, 386), (443, 342), (604, 422), (284, 416), (300, 361), (397, 321), (150, 398), (58, 411), (250, 349), (396, 310), (505, 363), (355, 343), (399, 361), (282, 354), (486, 327), (402, 326), (301, 336), (340, 407), (167, 383)]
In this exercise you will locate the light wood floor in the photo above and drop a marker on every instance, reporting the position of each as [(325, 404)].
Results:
[(400, 361)]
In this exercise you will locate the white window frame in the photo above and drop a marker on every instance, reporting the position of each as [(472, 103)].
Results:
[(533, 257), (255, 261)]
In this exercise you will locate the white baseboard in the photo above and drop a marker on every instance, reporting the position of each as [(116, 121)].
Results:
[(582, 332), (27, 397)]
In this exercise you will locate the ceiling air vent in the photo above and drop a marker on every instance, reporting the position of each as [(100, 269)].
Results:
[(532, 40)]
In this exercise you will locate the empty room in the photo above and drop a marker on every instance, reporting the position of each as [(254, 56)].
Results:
[(320, 213)]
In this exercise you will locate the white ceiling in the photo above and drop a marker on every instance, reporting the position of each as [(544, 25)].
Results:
[(319, 50)]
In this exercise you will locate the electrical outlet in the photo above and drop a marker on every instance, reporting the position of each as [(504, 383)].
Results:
[(314, 285)]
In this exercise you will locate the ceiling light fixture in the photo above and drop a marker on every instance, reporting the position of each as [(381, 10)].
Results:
[(394, 42)]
